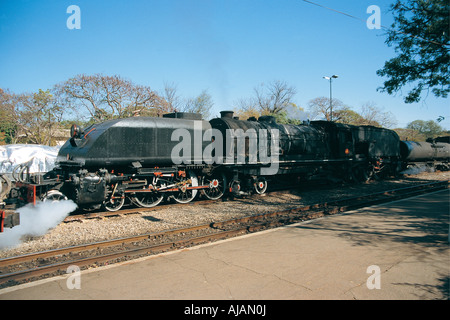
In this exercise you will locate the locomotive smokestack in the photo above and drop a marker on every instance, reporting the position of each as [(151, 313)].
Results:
[(226, 114)]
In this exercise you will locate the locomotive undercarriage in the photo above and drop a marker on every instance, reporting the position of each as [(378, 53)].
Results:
[(144, 187), (148, 187), (365, 169)]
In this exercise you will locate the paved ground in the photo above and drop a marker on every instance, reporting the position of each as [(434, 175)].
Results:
[(394, 251)]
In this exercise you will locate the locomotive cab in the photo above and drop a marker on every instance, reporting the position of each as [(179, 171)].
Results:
[(340, 137)]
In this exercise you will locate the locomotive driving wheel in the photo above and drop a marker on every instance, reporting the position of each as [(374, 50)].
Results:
[(216, 183), (363, 172), (260, 185), (149, 196), (184, 194), (147, 199)]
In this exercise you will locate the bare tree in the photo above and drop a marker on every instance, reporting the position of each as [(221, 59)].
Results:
[(274, 98), (320, 108), (375, 116), (202, 103), (171, 96), (246, 108), (370, 114), (107, 97)]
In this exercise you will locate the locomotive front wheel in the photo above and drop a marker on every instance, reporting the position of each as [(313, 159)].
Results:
[(114, 204), (54, 196)]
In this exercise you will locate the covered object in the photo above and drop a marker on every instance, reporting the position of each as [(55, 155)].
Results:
[(38, 158)]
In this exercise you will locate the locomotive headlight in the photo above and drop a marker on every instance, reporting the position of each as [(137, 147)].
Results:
[(75, 135), (75, 131)]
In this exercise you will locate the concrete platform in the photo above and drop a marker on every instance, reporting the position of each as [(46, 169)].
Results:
[(398, 250)]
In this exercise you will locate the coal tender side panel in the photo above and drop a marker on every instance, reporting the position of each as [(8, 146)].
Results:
[(124, 145), (149, 146), (164, 127)]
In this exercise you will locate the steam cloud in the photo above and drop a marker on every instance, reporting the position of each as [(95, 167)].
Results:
[(36, 221), (417, 169)]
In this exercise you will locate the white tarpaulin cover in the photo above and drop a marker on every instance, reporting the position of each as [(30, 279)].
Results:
[(39, 158)]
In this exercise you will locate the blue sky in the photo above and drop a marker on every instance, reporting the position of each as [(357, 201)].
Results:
[(225, 46)]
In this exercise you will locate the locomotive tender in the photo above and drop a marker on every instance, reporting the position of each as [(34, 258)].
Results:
[(144, 159), (432, 153)]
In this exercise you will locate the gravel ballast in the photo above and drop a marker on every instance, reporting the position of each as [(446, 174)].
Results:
[(176, 216)]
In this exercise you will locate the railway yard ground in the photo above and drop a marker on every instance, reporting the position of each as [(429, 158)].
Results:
[(401, 247)]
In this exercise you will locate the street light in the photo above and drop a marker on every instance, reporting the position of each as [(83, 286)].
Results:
[(331, 103)]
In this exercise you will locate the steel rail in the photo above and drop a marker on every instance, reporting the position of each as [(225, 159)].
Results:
[(238, 226)]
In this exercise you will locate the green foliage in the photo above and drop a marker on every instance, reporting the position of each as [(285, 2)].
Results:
[(409, 135), (420, 34), (8, 127), (429, 129)]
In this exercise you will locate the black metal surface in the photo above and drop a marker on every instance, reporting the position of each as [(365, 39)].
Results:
[(424, 151), (121, 142), (296, 142)]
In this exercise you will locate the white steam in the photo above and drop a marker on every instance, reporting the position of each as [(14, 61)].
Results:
[(416, 169), (36, 221)]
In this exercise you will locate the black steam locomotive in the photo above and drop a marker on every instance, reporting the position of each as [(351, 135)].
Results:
[(144, 160)]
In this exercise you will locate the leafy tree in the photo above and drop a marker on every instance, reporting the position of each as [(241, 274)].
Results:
[(8, 126), (409, 135), (37, 117), (349, 116), (429, 129), (29, 117), (420, 34)]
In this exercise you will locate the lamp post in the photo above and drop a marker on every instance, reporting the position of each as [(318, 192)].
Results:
[(331, 98)]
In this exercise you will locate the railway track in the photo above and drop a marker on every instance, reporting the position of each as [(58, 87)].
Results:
[(98, 214), (29, 267)]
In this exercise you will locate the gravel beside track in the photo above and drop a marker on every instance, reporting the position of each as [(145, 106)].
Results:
[(171, 217)]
